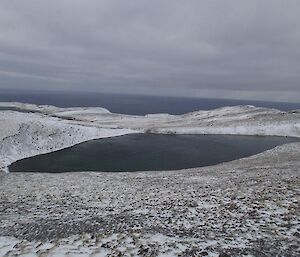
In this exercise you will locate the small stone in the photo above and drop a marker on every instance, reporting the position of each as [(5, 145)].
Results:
[(296, 234), (204, 253)]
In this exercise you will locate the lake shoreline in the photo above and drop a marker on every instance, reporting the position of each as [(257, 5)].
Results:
[(58, 128), (149, 152)]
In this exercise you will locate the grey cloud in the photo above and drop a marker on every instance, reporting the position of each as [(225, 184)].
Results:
[(239, 49)]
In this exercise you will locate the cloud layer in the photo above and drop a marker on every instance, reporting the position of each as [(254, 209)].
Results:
[(231, 49)]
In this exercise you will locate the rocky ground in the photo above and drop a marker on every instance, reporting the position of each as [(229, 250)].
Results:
[(248, 207)]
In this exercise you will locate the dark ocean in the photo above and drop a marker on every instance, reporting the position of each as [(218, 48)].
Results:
[(133, 104)]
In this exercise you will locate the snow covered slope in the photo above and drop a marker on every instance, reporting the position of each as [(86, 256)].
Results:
[(27, 134), (246, 120), (48, 128)]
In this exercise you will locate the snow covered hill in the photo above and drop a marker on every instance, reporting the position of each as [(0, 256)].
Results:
[(27, 134)]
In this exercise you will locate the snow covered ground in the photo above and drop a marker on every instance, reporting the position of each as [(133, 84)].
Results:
[(248, 207)]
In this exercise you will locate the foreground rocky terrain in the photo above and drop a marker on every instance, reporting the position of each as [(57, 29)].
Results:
[(248, 207)]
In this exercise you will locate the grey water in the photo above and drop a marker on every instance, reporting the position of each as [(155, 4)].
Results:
[(149, 152), (132, 104)]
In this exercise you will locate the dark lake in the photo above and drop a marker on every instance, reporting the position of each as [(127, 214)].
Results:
[(145, 152)]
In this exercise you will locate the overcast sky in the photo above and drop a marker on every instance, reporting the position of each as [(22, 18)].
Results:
[(220, 49)]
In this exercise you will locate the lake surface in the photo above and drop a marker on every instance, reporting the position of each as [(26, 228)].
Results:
[(133, 104), (144, 152)]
